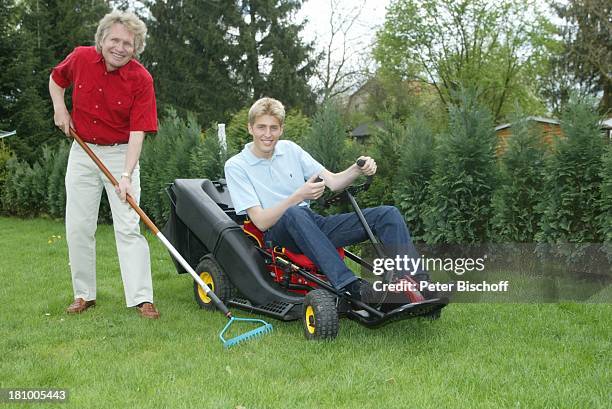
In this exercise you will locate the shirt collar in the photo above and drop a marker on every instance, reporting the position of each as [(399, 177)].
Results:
[(99, 58), (251, 159)]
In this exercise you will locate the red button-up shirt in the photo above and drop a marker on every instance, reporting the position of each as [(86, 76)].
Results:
[(107, 105)]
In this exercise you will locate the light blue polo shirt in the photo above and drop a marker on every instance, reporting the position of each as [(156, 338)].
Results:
[(254, 181)]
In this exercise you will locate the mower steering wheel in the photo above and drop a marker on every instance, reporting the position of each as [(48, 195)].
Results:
[(340, 196)]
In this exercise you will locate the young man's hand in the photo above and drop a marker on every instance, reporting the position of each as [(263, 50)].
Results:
[(311, 190), (369, 167)]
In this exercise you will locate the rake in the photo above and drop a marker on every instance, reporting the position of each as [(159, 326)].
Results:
[(264, 328)]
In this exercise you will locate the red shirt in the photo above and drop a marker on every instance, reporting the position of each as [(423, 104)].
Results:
[(107, 105)]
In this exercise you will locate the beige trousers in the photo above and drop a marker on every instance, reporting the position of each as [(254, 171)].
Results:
[(84, 183)]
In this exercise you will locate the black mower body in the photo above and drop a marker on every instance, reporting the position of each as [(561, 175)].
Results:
[(202, 223)]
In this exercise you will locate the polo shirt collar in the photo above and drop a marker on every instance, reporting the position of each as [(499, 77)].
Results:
[(254, 160), (99, 58)]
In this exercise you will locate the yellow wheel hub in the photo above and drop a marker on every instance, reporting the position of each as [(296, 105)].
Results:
[(207, 278), (310, 319)]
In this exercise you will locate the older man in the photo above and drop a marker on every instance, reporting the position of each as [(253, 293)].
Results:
[(113, 105)]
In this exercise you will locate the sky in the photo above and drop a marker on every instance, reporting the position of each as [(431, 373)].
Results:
[(318, 12)]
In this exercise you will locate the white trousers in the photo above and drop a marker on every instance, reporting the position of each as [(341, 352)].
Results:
[(84, 183)]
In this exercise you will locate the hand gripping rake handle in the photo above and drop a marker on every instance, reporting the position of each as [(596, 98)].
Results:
[(143, 216), (153, 227)]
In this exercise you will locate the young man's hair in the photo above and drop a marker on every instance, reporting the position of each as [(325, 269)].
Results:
[(130, 21), (267, 106)]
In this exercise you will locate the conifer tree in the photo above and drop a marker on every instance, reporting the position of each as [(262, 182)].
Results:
[(519, 193), (459, 203), (572, 205), (411, 184), (606, 202), (328, 141)]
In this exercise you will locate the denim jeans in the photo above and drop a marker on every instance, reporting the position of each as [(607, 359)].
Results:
[(303, 231)]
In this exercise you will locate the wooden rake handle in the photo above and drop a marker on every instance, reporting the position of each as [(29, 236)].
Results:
[(130, 199)]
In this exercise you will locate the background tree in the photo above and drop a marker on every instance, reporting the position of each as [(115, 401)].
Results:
[(411, 184), (275, 62), (208, 158), (385, 146), (193, 58), (474, 44), (211, 57), (339, 68), (8, 45), (327, 140), (519, 193), (572, 192), (587, 57), (606, 202), (459, 203), (47, 31)]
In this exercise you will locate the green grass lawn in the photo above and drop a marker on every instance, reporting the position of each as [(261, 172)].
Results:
[(475, 356)]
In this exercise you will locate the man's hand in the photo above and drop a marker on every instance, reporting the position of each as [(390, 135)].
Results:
[(124, 188), (62, 120), (311, 190), (369, 168)]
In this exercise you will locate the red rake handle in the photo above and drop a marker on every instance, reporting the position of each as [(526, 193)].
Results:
[(130, 199)]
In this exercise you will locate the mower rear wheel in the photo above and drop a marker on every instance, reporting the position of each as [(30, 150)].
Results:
[(214, 277), (319, 315)]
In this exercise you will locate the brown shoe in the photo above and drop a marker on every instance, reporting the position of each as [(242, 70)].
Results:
[(79, 305), (147, 310)]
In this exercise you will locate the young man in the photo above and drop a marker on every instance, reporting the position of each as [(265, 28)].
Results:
[(273, 181), (113, 106)]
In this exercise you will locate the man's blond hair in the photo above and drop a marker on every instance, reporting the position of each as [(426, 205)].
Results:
[(267, 106), (130, 21)]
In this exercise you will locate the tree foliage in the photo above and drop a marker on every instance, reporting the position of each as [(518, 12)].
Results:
[(572, 203), (606, 202), (587, 56), (464, 176), (518, 196), (328, 141), (386, 147), (411, 184), (42, 33), (165, 157), (470, 43), (211, 57)]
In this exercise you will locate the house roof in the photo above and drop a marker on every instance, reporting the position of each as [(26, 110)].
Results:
[(530, 118), (605, 124), (366, 129)]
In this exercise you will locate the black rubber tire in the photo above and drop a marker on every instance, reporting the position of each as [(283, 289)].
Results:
[(221, 285), (320, 315)]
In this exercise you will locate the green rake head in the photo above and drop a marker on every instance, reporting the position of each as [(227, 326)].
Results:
[(257, 332)]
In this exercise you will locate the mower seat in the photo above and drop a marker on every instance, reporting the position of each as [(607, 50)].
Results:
[(300, 259)]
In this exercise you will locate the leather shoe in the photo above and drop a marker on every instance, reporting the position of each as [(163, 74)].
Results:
[(148, 310), (79, 305)]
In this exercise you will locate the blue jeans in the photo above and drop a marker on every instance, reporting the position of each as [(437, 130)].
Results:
[(303, 231)]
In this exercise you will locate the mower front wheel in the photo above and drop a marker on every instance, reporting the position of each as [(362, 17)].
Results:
[(214, 277), (320, 315)]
